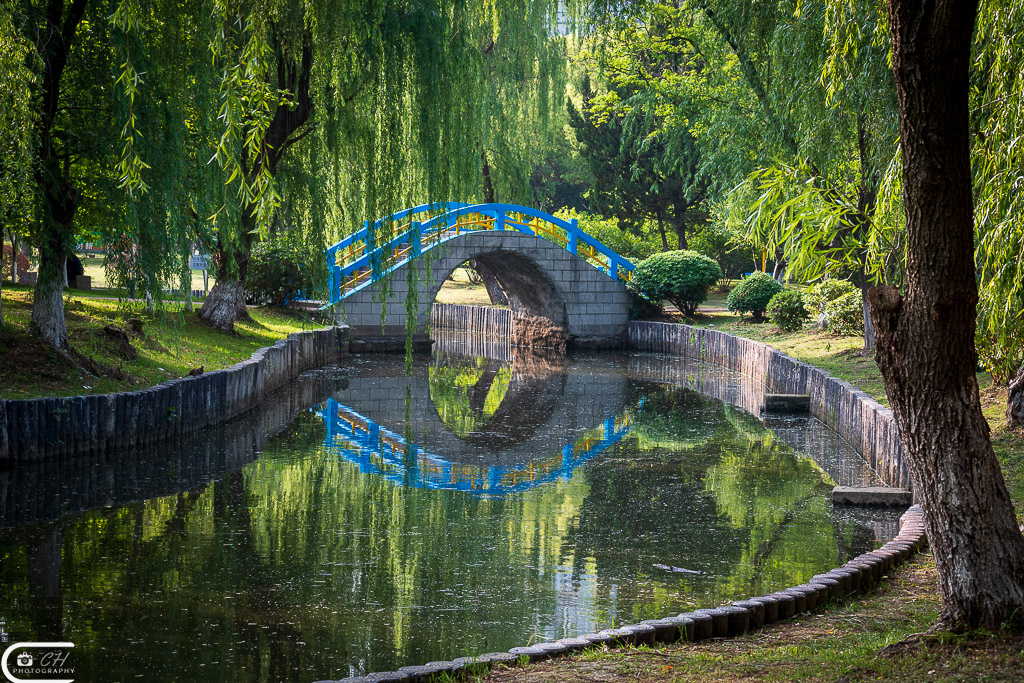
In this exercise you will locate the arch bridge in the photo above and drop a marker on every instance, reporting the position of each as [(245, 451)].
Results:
[(547, 267)]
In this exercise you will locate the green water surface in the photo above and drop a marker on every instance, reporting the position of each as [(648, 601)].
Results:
[(323, 559)]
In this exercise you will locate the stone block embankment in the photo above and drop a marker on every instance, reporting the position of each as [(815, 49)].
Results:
[(38, 429), (867, 425)]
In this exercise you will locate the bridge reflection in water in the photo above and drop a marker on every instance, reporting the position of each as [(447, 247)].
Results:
[(380, 451)]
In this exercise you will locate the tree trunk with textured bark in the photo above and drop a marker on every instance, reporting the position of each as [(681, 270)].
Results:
[(225, 304), (59, 197), (1015, 401), (925, 339), (491, 284)]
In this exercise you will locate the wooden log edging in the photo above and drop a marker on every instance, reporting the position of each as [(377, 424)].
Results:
[(44, 428), (867, 425), (465, 318), (859, 575)]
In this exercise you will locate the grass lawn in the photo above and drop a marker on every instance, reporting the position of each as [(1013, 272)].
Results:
[(93, 267), (461, 290), (174, 343)]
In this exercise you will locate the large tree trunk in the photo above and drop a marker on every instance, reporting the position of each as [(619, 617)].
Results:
[(925, 340), (1015, 401), (225, 304), (48, 302), (59, 197)]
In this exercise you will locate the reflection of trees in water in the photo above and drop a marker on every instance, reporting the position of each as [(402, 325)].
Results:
[(300, 564), (466, 394), (717, 489), (495, 404)]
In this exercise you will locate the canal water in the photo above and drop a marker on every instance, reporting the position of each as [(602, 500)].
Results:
[(368, 519)]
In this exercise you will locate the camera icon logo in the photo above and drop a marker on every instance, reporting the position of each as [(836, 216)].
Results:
[(25, 659)]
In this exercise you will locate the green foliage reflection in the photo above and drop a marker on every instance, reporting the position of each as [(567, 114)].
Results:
[(467, 394)]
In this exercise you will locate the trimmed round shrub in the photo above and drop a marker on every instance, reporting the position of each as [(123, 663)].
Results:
[(753, 294), (820, 294), (679, 277), (786, 310), (282, 270), (845, 315)]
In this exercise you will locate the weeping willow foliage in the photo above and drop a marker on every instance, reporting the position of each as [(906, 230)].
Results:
[(235, 119), (997, 112), (830, 201), (17, 120), (405, 97)]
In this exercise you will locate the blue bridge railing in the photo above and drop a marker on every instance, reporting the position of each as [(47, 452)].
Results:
[(378, 248), (377, 450)]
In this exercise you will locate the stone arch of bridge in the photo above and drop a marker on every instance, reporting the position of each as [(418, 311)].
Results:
[(529, 289)]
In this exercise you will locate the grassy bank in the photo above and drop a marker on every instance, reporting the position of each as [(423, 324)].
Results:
[(173, 342)]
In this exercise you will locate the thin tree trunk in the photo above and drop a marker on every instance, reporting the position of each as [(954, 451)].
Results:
[(681, 234), (925, 340), (869, 326), (664, 236), (867, 200), (485, 171), (1015, 400)]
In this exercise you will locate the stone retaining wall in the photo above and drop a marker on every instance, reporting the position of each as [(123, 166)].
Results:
[(46, 490), (863, 422), (38, 429)]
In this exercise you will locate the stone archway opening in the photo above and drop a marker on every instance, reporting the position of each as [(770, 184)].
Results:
[(514, 280)]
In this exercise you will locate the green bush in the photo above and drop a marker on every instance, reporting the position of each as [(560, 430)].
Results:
[(819, 295), (753, 294), (680, 277), (727, 248), (786, 310), (845, 314), (282, 270)]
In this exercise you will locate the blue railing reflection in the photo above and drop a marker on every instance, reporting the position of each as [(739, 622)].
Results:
[(377, 450)]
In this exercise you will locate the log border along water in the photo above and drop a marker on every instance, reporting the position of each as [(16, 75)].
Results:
[(56, 428)]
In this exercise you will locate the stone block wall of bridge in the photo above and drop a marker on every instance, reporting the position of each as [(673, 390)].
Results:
[(540, 278)]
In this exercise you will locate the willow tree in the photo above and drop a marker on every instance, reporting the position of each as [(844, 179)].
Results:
[(51, 31), (820, 77), (998, 160), (365, 90), (925, 347)]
